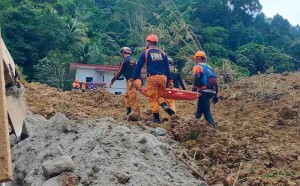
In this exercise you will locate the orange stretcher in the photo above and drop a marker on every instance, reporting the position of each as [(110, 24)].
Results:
[(176, 94)]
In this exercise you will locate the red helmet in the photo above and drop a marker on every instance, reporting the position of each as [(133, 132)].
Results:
[(125, 50), (152, 38)]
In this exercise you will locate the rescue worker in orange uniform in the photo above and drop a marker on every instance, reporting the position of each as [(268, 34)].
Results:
[(158, 74), (76, 85), (207, 91), (83, 86), (177, 81), (126, 69)]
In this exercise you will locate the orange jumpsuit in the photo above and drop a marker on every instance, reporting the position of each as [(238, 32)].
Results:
[(156, 87), (158, 72), (131, 95), (126, 69)]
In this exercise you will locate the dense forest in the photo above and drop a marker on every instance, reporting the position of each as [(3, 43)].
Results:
[(44, 36)]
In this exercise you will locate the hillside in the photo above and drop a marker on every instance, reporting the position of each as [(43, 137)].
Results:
[(257, 142), (58, 32)]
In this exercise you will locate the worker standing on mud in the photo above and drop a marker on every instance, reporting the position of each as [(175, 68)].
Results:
[(177, 81), (126, 69), (158, 74), (205, 83)]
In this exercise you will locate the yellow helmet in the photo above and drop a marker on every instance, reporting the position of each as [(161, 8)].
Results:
[(199, 54)]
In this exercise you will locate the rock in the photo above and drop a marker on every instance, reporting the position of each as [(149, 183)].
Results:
[(160, 131), (95, 169), (52, 182), (228, 180), (134, 117), (99, 149), (32, 124), (86, 182), (123, 178), (69, 179), (202, 183), (64, 179), (58, 165), (13, 140), (142, 139), (28, 180), (287, 113), (60, 121)]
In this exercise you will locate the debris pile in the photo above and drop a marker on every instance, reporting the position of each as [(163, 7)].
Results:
[(257, 141), (62, 152)]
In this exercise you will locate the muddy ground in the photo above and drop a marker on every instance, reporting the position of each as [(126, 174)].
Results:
[(257, 142)]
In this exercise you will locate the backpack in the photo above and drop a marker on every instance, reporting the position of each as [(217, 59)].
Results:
[(209, 77)]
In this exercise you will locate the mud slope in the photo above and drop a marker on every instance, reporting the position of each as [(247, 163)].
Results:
[(257, 143)]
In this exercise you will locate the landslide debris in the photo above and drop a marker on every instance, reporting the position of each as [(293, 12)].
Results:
[(95, 152), (257, 142)]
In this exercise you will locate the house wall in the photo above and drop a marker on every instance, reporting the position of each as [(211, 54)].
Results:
[(81, 75), (119, 86)]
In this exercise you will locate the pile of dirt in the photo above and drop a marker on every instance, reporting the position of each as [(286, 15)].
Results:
[(104, 151), (257, 142)]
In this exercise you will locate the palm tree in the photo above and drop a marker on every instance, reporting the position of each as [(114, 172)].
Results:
[(77, 30)]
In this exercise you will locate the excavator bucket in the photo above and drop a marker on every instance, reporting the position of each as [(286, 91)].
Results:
[(15, 99), (13, 109)]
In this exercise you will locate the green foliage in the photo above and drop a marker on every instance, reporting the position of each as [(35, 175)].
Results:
[(92, 31), (251, 56), (259, 58), (251, 171), (215, 35), (52, 69), (214, 49), (281, 24), (288, 173)]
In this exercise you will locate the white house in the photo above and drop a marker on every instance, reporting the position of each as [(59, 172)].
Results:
[(101, 75)]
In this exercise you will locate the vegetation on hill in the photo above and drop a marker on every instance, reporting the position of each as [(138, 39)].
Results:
[(44, 36)]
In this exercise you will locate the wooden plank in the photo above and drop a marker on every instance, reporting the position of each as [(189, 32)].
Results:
[(5, 156)]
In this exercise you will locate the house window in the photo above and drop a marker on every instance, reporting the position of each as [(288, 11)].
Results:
[(88, 79)]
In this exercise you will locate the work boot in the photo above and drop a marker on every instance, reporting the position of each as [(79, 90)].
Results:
[(198, 116), (212, 123), (128, 110), (167, 109), (156, 118)]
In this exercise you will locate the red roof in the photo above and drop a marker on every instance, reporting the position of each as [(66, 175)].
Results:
[(96, 67)]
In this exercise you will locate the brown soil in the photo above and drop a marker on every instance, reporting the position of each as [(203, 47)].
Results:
[(257, 142)]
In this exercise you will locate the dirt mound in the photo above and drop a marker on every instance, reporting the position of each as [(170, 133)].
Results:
[(46, 101), (105, 152), (257, 142)]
